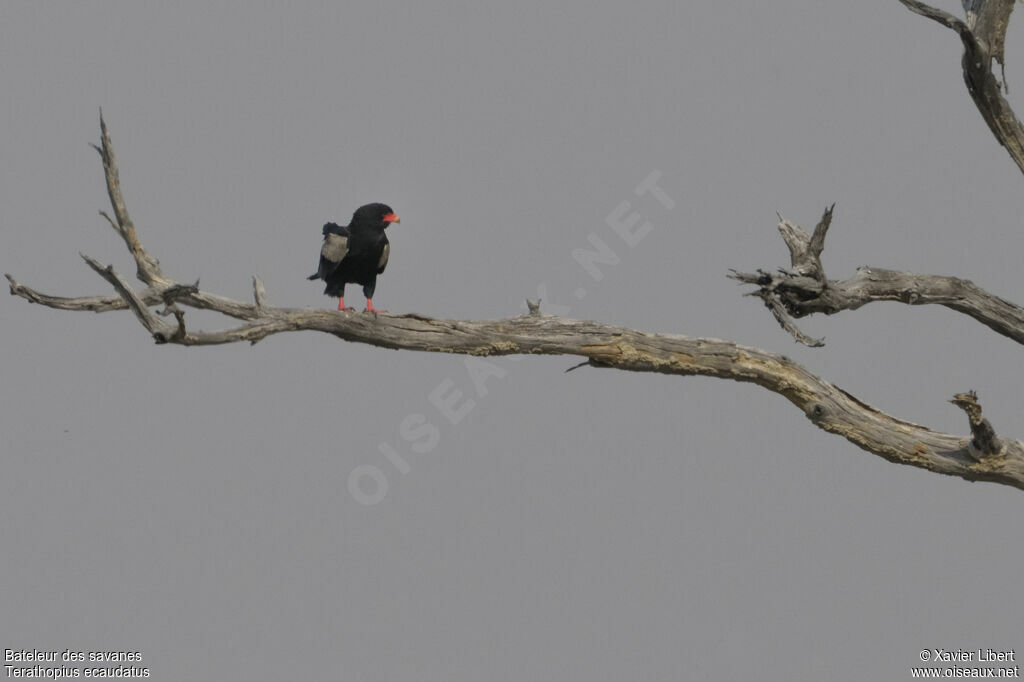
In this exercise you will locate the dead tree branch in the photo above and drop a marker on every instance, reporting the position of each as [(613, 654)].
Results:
[(983, 36), (148, 267), (979, 457), (804, 290)]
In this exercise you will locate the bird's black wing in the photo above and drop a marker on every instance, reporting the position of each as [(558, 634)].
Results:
[(384, 254), (333, 250)]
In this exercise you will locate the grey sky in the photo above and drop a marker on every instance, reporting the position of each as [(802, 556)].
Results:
[(193, 504)]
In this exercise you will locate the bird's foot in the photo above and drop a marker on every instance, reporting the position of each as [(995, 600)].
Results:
[(370, 309)]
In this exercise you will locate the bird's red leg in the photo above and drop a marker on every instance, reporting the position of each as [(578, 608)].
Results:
[(341, 303), (371, 309)]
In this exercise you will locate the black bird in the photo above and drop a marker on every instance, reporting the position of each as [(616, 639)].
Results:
[(356, 252)]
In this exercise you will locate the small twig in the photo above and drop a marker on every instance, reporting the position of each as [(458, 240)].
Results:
[(109, 219), (582, 364), (179, 315), (804, 249), (985, 441), (259, 293), (785, 321), (817, 243)]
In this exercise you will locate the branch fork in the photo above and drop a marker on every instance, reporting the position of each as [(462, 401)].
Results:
[(804, 290)]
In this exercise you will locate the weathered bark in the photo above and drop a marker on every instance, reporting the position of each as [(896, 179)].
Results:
[(983, 36), (980, 457), (804, 290)]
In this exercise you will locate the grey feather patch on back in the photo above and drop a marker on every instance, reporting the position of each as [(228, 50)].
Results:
[(335, 247), (383, 262)]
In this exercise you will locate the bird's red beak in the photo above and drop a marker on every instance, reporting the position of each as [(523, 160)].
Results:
[(391, 218)]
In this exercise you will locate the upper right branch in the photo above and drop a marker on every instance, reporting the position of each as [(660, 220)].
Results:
[(805, 290), (983, 36)]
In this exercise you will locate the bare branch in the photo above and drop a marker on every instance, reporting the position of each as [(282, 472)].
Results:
[(148, 267), (96, 304), (802, 295), (983, 41), (189, 293), (827, 406), (600, 345), (160, 330)]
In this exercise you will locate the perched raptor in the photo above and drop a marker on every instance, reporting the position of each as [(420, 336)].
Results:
[(356, 252)]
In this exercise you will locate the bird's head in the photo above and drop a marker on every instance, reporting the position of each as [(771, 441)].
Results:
[(374, 215)]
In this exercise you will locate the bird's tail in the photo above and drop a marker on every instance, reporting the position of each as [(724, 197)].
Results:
[(315, 275)]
